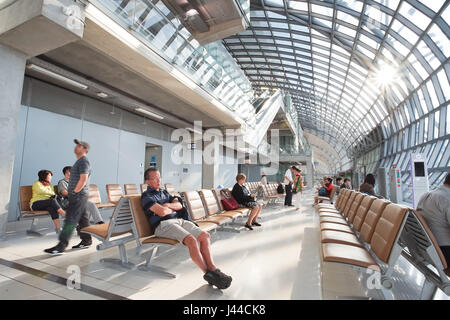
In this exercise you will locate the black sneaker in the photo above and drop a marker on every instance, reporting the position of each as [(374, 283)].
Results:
[(82, 245), (100, 222), (223, 275), (214, 279), (56, 250), (254, 223)]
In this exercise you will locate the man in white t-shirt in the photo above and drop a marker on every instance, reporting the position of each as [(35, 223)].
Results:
[(288, 181)]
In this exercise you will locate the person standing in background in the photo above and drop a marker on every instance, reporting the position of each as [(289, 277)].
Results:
[(298, 187), (263, 178), (288, 181), (434, 207), (78, 197)]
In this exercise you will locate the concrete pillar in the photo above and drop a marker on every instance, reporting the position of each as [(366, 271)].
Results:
[(309, 173), (12, 66)]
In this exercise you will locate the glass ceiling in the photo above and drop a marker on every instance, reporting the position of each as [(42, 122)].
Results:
[(327, 55)]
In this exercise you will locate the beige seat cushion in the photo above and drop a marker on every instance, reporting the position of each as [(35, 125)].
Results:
[(155, 239), (332, 236), (336, 226), (341, 253), (242, 210), (339, 220), (232, 214), (328, 210), (105, 205), (330, 214), (101, 230), (206, 226), (217, 219), (35, 213)]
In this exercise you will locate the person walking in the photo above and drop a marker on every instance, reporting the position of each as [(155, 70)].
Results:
[(78, 192), (434, 207), (63, 184)]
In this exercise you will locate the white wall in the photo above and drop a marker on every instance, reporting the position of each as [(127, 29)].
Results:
[(45, 141)]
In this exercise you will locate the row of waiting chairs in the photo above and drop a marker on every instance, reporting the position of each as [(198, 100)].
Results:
[(129, 223), (365, 232), (252, 186), (114, 193), (269, 193)]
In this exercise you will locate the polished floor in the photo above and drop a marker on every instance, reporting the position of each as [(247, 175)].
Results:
[(280, 260)]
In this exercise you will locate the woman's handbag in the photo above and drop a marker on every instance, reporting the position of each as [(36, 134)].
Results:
[(228, 202)]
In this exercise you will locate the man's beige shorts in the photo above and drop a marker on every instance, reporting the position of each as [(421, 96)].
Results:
[(177, 229)]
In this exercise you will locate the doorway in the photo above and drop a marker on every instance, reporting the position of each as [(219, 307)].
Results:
[(153, 157)]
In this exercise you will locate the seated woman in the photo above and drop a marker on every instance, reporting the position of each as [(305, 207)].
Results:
[(43, 198), (324, 191), (368, 185), (246, 200)]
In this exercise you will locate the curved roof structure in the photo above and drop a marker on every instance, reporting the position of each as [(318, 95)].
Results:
[(352, 67)]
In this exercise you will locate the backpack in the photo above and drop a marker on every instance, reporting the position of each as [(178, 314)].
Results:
[(280, 189), (323, 192), (183, 213)]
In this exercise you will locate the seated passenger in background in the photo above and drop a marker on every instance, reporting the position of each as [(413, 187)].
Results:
[(246, 200), (324, 191), (434, 207), (338, 185), (63, 184), (44, 198), (263, 178), (368, 186), (347, 184), (162, 211)]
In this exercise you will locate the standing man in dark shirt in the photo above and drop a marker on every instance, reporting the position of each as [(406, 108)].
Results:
[(162, 212), (78, 192)]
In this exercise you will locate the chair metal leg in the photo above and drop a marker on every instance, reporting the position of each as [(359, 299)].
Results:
[(123, 261), (148, 265), (33, 231), (428, 291)]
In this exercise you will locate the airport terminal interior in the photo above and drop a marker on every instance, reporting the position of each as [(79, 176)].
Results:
[(275, 99)]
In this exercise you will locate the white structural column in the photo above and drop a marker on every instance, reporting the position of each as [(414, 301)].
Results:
[(309, 173), (12, 66), (210, 164)]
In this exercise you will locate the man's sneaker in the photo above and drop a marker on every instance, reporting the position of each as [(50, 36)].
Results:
[(82, 245), (223, 275), (213, 278), (56, 250), (100, 222)]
